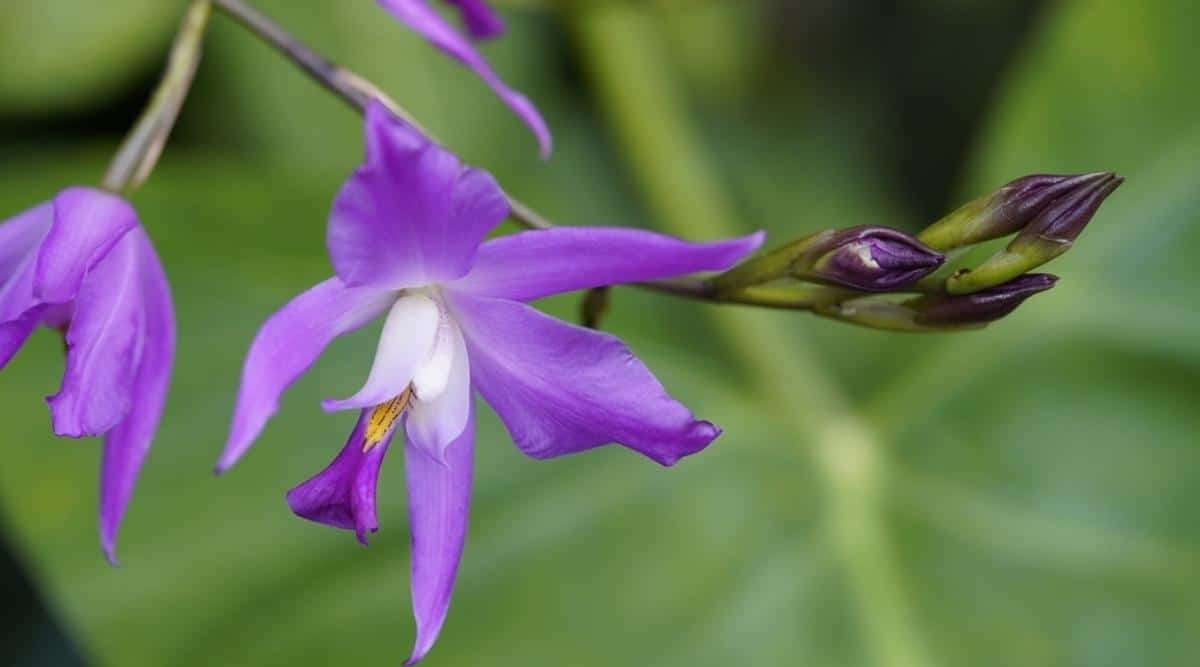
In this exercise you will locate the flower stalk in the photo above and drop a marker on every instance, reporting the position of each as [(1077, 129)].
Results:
[(848, 265), (141, 149)]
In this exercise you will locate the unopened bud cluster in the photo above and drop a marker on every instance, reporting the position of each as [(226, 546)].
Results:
[(868, 270)]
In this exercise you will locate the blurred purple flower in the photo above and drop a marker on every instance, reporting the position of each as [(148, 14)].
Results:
[(482, 23), (406, 237), (80, 263)]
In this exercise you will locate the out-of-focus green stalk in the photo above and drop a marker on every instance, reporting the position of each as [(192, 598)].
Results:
[(144, 144), (621, 45)]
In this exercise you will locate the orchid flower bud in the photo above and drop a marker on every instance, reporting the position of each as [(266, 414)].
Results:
[(1047, 236), (939, 312), (1007, 210), (864, 258), (871, 259), (980, 307)]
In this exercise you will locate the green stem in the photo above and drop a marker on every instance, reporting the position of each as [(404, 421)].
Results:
[(620, 44), (138, 154)]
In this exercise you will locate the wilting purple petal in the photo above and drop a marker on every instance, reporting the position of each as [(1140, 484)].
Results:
[(439, 496), (562, 389), (343, 494), (104, 345), (481, 21), (412, 214), (421, 18), (286, 345), (20, 236), (14, 333), (405, 342), (87, 224), (534, 264), (126, 444), (20, 311), (437, 422)]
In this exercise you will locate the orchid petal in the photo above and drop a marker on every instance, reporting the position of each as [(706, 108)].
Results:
[(286, 345), (126, 445), (533, 264), (562, 389), (343, 494), (438, 422), (20, 235), (412, 214), (104, 345), (20, 311), (422, 19), (439, 495), (407, 337), (87, 224), (481, 21), (14, 333)]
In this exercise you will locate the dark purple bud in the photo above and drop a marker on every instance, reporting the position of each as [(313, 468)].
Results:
[(872, 259), (1011, 208), (1065, 218), (980, 307), (1048, 235)]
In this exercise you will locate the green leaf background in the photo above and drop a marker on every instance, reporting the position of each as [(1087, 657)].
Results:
[(1022, 495)]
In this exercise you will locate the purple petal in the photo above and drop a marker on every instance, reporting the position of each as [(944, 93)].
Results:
[(421, 18), (412, 214), (126, 445), (104, 344), (289, 342), (20, 235), (534, 264), (343, 494), (562, 389), (481, 21), (407, 337), (439, 495), (19, 309), (87, 224), (14, 333)]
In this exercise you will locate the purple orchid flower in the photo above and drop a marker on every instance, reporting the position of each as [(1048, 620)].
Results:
[(481, 23), (406, 237), (80, 263)]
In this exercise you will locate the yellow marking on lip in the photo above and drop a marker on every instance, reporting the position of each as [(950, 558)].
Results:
[(383, 419)]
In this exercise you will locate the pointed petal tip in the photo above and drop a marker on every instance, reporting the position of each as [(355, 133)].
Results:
[(703, 433), (110, 553), (363, 533), (108, 540)]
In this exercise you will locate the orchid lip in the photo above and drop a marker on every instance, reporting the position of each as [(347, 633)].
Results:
[(383, 419)]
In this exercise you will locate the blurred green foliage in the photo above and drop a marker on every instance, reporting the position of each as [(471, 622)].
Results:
[(1018, 496)]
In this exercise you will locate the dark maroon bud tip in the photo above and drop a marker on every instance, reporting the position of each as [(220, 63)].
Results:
[(1064, 220)]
